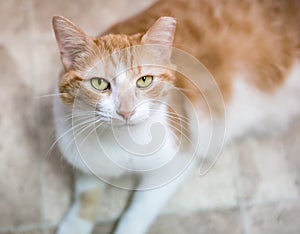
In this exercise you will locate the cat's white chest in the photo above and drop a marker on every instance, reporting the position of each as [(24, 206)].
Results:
[(138, 148), (113, 151)]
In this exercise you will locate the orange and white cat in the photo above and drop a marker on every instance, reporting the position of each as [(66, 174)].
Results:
[(116, 87)]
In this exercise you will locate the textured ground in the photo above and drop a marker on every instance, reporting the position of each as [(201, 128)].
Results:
[(253, 189)]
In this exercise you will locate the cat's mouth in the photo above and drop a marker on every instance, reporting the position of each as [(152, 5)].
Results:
[(120, 122)]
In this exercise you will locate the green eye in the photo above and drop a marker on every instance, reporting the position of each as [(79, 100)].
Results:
[(100, 84), (144, 81)]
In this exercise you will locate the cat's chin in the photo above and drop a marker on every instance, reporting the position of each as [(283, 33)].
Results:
[(125, 125), (122, 124)]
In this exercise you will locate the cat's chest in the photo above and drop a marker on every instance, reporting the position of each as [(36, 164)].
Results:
[(113, 151)]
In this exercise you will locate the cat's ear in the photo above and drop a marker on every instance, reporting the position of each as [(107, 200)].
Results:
[(74, 45), (161, 32)]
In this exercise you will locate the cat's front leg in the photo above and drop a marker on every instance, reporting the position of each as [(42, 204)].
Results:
[(145, 207), (81, 217)]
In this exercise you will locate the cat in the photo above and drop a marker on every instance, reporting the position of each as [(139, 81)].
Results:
[(115, 87)]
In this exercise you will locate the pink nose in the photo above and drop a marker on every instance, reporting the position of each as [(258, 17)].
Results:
[(125, 114)]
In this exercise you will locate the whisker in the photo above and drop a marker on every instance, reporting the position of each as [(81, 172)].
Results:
[(181, 125), (181, 133), (178, 119), (172, 132), (170, 114), (94, 129), (82, 129), (48, 95), (76, 118), (184, 89), (64, 134), (180, 130), (178, 115), (76, 114)]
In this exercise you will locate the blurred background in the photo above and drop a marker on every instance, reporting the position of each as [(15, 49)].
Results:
[(253, 189)]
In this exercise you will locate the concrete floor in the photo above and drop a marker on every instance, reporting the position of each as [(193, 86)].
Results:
[(253, 189)]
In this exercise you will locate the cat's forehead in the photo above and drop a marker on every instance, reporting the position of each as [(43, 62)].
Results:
[(115, 42), (114, 56), (130, 62), (121, 71), (114, 67), (123, 57)]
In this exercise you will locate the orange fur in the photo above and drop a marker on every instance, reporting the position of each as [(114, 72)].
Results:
[(89, 202), (262, 37)]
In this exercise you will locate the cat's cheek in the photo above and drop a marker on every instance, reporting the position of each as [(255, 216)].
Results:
[(142, 113), (106, 104), (67, 99), (69, 85), (68, 95)]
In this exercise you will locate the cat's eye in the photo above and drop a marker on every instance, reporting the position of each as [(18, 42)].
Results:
[(100, 84), (144, 81)]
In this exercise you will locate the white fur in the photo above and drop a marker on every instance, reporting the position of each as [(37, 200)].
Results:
[(145, 206), (254, 110), (72, 223)]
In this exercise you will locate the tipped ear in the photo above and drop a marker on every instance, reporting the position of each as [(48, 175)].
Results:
[(74, 45), (161, 32)]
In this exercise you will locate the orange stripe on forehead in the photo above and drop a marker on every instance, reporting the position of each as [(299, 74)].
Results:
[(112, 44), (131, 56), (139, 69)]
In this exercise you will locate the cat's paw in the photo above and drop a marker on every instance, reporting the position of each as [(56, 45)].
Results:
[(132, 228), (75, 226)]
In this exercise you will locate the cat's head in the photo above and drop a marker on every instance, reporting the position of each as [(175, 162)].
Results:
[(122, 78)]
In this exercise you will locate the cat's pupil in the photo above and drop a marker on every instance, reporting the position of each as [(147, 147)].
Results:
[(144, 78), (99, 81)]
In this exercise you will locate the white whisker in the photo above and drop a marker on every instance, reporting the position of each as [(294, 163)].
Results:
[(65, 133), (48, 95), (93, 130)]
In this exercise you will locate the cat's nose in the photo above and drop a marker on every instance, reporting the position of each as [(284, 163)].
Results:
[(125, 114)]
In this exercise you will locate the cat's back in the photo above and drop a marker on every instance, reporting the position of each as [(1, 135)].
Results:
[(219, 22), (261, 38)]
